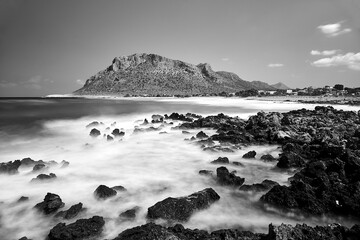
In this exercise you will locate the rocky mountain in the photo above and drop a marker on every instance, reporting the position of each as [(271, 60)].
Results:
[(151, 74), (280, 85), (262, 86)]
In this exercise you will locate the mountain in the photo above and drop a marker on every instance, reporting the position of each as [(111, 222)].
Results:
[(151, 74), (262, 86), (281, 86)]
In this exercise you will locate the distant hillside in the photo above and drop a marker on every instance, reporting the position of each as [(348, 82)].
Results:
[(262, 85), (151, 74), (280, 85)]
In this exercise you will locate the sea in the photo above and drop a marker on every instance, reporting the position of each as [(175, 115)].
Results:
[(150, 165)]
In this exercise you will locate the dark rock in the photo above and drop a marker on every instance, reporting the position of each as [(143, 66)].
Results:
[(72, 212), (64, 164), (263, 186), (23, 199), (185, 132), (177, 116), (24, 238), (224, 177), (79, 230), (205, 172), (109, 138), (290, 159), (10, 167), (117, 133), (51, 204), (221, 160), (201, 135), (180, 209), (250, 154), (92, 124), (40, 177), (267, 158), (38, 167), (94, 132), (156, 118), (119, 188), (28, 161), (104, 192), (129, 214), (145, 122), (238, 164), (149, 231)]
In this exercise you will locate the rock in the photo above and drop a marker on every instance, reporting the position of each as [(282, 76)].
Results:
[(238, 164), (119, 188), (104, 192), (149, 231), (185, 132), (129, 214), (290, 159), (64, 164), (109, 138), (10, 167), (117, 133), (205, 172), (156, 118), (177, 116), (145, 122), (267, 158), (40, 177), (28, 161), (72, 212), (23, 199), (201, 135), (94, 132), (180, 209), (51, 204), (224, 177), (79, 230), (38, 167), (221, 160), (257, 187), (92, 124), (250, 154)]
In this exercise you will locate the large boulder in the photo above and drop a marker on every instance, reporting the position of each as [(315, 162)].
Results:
[(257, 187), (43, 176), (224, 177), (72, 212), (250, 154), (94, 132), (149, 231), (221, 160), (104, 192), (79, 230), (117, 133), (10, 167), (180, 209), (52, 202), (201, 135)]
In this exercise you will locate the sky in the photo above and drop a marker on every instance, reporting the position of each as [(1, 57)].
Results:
[(52, 47)]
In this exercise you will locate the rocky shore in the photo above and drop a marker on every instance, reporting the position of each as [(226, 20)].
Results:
[(320, 146)]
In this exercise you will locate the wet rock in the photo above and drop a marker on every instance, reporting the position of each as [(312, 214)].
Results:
[(52, 202), (72, 212), (24, 238), (117, 133), (38, 167), (148, 231), (146, 122), (201, 135), (129, 214), (94, 132), (119, 188), (185, 132), (221, 160), (30, 162), (93, 124), (104, 192), (41, 177), (257, 187), (79, 230), (156, 118), (205, 172), (163, 132), (109, 138), (290, 159), (23, 199), (10, 167), (238, 164), (267, 158), (64, 164), (250, 154), (224, 177), (180, 209), (149, 129), (177, 116)]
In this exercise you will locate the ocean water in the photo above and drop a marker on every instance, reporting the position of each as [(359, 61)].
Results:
[(151, 166)]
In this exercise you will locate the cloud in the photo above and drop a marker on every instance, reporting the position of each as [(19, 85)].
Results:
[(333, 29), (349, 60), (275, 65), (324, 53), (37, 82), (225, 59), (80, 82)]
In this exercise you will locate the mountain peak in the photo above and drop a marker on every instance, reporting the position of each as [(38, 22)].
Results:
[(280, 85)]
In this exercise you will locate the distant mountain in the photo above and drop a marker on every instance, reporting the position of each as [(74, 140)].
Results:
[(280, 85), (262, 86), (151, 74)]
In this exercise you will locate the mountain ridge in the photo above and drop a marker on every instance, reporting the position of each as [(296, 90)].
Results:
[(152, 74)]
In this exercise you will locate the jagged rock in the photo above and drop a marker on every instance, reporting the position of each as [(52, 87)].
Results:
[(185, 132), (109, 138), (148, 231), (23, 199), (267, 158), (10, 167), (250, 154), (93, 124), (51, 204), (119, 188), (177, 116), (64, 164), (224, 177), (40, 177), (72, 212), (238, 163), (201, 135), (94, 132), (290, 159), (129, 214), (38, 167), (156, 118), (79, 230), (221, 160), (104, 192), (205, 172), (180, 209), (256, 187), (117, 133), (24, 238)]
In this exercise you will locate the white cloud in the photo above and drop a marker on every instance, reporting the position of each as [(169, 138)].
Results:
[(80, 81), (324, 53), (275, 65), (350, 60), (333, 29), (225, 59)]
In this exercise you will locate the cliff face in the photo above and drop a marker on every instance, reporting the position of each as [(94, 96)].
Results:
[(151, 74)]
